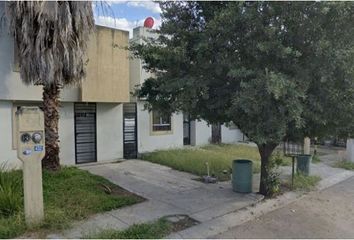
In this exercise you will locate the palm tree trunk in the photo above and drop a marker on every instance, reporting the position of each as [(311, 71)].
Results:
[(51, 120)]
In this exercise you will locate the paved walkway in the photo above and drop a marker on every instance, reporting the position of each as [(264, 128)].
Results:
[(167, 192)]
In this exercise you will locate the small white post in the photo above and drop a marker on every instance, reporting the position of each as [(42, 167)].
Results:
[(307, 145), (350, 149)]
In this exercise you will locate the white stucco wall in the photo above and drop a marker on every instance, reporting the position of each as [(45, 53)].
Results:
[(109, 119), (109, 132), (67, 134), (200, 133), (137, 73), (148, 142), (230, 135), (11, 86), (8, 155)]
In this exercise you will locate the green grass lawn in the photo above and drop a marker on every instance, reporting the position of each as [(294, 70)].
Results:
[(154, 230), (219, 158), (345, 165), (157, 229), (303, 183), (69, 194)]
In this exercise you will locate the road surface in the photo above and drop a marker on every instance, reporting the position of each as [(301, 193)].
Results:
[(325, 214)]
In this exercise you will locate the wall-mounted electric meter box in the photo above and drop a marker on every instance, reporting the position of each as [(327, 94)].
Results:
[(30, 133)]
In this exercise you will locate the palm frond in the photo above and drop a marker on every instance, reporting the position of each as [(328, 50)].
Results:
[(51, 38)]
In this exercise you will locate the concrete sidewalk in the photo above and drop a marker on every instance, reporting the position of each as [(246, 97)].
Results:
[(167, 192)]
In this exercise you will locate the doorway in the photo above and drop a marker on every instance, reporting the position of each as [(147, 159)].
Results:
[(85, 132), (130, 141)]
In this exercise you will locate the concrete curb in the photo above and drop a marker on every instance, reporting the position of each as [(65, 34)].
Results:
[(223, 223)]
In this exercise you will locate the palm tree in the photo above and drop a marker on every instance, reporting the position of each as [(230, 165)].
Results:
[(51, 38)]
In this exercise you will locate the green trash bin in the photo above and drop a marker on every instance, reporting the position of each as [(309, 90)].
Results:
[(303, 164), (242, 175)]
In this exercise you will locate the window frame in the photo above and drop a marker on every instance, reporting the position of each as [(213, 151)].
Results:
[(160, 132)]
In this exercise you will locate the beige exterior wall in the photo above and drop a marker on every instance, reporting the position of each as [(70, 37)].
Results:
[(108, 67), (107, 71)]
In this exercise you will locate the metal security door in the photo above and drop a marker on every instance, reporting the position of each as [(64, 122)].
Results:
[(130, 141), (85, 133)]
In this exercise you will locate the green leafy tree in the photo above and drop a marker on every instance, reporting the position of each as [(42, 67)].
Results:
[(276, 69), (51, 38)]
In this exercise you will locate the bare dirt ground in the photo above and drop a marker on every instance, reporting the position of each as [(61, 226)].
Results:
[(325, 214)]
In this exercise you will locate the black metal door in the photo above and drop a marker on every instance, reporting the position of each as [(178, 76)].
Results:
[(130, 142), (85, 132), (186, 129)]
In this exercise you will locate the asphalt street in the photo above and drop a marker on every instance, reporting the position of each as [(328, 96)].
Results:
[(325, 214)]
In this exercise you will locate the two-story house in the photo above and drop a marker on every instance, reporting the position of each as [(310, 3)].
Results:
[(99, 120), (91, 114)]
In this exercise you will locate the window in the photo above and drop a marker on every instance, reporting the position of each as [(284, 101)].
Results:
[(161, 122)]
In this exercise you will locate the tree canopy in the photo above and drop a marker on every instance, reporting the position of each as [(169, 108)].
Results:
[(276, 69)]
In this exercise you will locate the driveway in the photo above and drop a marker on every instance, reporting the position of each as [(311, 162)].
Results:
[(325, 214), (167, 192), (172, 192)]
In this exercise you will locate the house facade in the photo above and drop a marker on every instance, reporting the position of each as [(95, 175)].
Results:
[(91, 113), (99, 119)]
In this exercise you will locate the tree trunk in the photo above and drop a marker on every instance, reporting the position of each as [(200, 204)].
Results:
[(51, 120), (265, 150), (216, 133)]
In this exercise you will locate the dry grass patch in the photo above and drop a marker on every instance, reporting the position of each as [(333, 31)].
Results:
[(218, 157)]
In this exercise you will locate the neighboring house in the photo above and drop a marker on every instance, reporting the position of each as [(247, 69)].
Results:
[(156, 131), (91, 114)]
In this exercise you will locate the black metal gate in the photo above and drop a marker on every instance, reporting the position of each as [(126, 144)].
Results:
[(85, 132), (186, 129), (130, 141)]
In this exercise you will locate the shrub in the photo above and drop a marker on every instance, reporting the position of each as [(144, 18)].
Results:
[(279, 159), (304, 183), (316, 159)]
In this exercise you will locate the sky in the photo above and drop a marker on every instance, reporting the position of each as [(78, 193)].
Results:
[(126, 15)]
